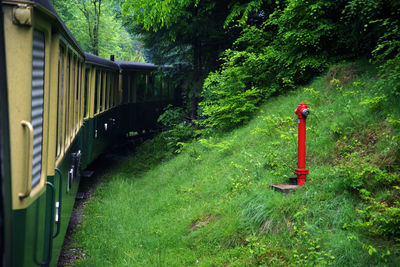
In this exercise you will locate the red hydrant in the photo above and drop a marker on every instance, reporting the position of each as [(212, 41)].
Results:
[(302, 113)]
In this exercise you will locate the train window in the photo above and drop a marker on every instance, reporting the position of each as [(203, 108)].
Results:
[(157, 89), (105, 90), (105, 87), (85, 93), (117, 90), (165, 87), (77, 81), (128, 88), (108, 91), (141, 86), (78, 89), (147, 87), (101, 90), (96, 89), (81, 93), (38, 63), (133, 87), (60, 100), (112, 87), (111, 90), (66, 117), (72, 98), (124, 88)]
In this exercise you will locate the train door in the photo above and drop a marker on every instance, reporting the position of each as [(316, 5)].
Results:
[(28, 82)]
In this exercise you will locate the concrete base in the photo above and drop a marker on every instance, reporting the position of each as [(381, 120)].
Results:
[(285, 188)]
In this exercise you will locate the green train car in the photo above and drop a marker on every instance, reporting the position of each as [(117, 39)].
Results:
[(60, 109)]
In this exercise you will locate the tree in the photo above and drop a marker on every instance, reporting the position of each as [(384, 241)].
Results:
[(91, 9), (189, 33), (109, 37)]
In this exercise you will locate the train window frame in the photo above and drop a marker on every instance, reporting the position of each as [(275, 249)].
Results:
[(110, 90), (86, 92), (101, 105), (107, 91), (132, 87), (82, 93), (96, 90), (116, 86), (104, 92), (60, 101), (72, 100), (110, 93), (77, 96), (66, 106), (128, 88), (124, 86), (111, 101)]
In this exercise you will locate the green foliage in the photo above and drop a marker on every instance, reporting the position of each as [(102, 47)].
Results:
[(311, 253), (381, 218), (189, 34), (231, 95), (228, 104), (176, 129), (112, 37), (292, 41), (155, 15), (171, 117), (357, 174), (283, 51), (387, 53), (243, 10)]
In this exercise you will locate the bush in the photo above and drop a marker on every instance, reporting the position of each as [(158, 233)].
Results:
[(380, 217), (176, 129)]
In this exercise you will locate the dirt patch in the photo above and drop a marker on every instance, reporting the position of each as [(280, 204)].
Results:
[(201, 222), (68, 254), (344, 74)]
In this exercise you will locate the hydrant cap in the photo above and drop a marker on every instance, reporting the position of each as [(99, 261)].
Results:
[(302, 105), (302, 110)]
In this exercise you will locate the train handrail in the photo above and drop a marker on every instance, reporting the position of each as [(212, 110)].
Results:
[(28, 187), (58, 222), (50, 244)]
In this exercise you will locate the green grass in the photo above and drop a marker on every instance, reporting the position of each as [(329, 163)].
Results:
[(211, 205)]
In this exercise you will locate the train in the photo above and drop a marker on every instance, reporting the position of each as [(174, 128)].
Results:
[(60, 109)]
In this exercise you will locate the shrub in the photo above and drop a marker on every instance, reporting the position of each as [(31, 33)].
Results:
[(380, 217), (176, 128)]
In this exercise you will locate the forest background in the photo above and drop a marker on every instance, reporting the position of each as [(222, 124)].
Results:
[(232, 55)]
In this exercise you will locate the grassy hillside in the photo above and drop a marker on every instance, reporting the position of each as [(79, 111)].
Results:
[(211, 204)]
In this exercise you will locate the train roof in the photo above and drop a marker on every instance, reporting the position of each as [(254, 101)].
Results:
[(128, 65), (139, 66), (96, 60)]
